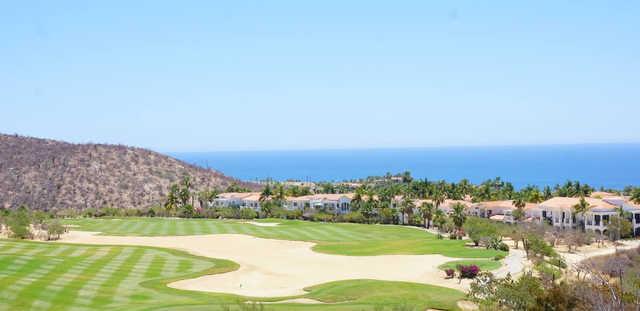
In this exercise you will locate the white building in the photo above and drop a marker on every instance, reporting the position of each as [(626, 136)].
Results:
[(238, 199), (559, 212), (335, 203), (503, 210)]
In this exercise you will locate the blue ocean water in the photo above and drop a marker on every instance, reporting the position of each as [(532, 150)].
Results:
[(610, 165)]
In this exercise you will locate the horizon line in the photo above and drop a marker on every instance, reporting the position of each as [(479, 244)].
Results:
[(404, 148)]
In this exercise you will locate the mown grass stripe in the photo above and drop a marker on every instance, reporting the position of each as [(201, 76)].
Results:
[(154, 270), (69, 293), (109, 287), (32, 292)]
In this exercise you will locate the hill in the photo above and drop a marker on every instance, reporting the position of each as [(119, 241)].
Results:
[(48, 174)]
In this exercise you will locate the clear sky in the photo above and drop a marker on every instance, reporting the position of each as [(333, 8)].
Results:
[(237, 75)]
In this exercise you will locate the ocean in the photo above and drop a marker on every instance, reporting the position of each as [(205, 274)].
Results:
[(600, 165)]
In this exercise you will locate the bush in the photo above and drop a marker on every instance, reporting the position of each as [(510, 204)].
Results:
[(247, 213), (324, 217), (355, 217), (54, 229), (503, 247), (557, 262), (468, 272), (450, 273), (18, 222), (499, 257)]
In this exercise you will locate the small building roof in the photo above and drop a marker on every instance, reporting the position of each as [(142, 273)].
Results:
[(237, 195), (597, 205)]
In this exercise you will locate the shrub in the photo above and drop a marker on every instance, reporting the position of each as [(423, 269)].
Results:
[(468, 272), (54, 229), (499, 257), (450, 273), (18, 223), (355, 217), (247, 213), (503, 247), (558, 262), (324, 217)]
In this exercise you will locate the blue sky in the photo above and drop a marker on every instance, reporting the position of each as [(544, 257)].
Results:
[(238, 75)]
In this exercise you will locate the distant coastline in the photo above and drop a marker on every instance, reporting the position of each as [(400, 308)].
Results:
[(600, 165)]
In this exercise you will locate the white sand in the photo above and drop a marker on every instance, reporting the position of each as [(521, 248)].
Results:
[(276, 268), (262, 224), (297, 300)]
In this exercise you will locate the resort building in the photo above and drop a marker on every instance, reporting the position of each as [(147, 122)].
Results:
[(446, 206), (238, 199), (560, 212), (335, 203), (503, 210)]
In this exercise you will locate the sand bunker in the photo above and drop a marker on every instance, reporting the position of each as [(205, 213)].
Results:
[(262, 224), (276, 268)]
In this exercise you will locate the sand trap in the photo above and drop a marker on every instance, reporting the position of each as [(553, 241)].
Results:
[(297, 300), (262, 224), (276, 268)]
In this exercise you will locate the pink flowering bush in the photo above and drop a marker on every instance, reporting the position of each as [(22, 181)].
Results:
[(450, 273), (468, 272)]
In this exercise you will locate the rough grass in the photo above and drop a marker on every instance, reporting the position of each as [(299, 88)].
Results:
[(45, 276), (484, 265), (331, 238)]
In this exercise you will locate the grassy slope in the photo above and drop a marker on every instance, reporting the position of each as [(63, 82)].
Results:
[(484, 265), (332, 238), (42, 276)]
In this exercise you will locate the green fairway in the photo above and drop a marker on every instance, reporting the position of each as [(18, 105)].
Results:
[(332, 238), (44, 276), (484, 265)]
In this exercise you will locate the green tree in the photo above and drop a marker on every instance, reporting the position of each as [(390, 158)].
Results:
[(619, 228), (519, 203), (267, 207), (407, 206), (458, 217), (479, 230), (184, 194), (438, 198), (635, 195), (439, 219), (171, 203), (18, 222), (54, 229), (427, 209), (580, 209), (266, 194)]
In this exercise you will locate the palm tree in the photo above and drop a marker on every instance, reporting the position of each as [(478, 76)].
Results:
[(407, 207), (266, 194), (427, 209), (635, 195), (519, 203), (459, 217), (581, 208), (172, 199), (535, 196), (439, 218), (280, 194), (185, 192), (437, 198), (358, 198)]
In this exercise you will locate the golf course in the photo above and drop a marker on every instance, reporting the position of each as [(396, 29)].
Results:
[(149, 263)]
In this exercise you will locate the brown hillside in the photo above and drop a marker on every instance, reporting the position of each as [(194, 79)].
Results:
[(47, 174)]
